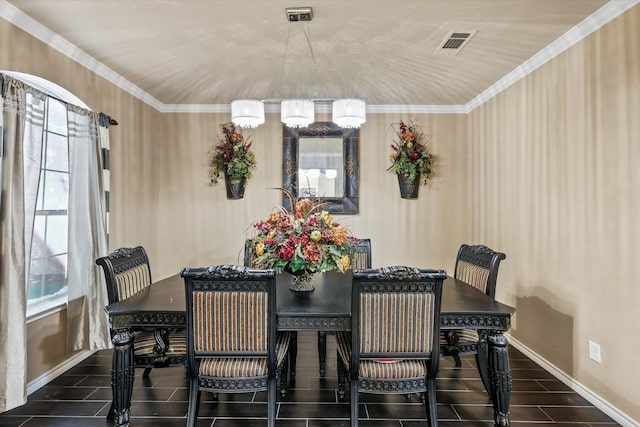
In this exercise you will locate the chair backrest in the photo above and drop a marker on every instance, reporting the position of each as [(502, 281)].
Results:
[(478, 266), (230, 311), (362, 258), (126, 272), (248, 254), (396, 313)]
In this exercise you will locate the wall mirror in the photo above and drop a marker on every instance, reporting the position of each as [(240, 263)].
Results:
[(322, 160)]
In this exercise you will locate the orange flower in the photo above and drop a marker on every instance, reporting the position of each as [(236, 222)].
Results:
[(304, 206), (339, 235), (311, 252)]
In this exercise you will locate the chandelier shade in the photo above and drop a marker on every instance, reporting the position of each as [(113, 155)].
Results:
[(349, 112), (247, 113), (297, 113)]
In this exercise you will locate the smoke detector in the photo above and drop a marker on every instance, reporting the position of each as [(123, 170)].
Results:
[(296, 14)]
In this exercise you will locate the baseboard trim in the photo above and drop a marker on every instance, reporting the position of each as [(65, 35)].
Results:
[(54, 373), (597, 401)]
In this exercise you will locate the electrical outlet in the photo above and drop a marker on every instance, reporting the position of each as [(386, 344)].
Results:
[(594, 351)]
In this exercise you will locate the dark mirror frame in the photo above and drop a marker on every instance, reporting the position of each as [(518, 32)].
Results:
[(349, 202)]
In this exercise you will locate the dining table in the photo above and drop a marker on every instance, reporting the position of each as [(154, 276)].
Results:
[(327, 308)]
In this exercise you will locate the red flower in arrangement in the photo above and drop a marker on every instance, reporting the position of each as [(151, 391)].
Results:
[(232, 156), (411, 156), (303, 242)]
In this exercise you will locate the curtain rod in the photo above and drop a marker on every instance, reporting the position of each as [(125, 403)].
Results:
[(112, 121)]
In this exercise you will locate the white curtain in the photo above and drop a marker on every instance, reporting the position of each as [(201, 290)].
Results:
[(21, 149), (86, 320)]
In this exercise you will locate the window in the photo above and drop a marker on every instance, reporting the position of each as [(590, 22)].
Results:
[(47, 282)]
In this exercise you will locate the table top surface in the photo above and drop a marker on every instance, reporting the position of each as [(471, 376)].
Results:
[(332, 296)]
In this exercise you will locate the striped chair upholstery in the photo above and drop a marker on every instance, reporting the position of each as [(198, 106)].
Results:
[(363, 254), (361, 261), (393, 346), (476, 265), (232, 344), (130, 282), (127, 272)]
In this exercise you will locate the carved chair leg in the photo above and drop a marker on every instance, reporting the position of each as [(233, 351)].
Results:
[(456, 358), (322, 352), (283, 372), (341, 379), (482, 360), (431, 407), (452, 346), (293, 354)]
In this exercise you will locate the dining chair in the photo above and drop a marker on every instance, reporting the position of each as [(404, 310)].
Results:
[(232, 344), (476, 265), (362, 260), (127, 272), (394, 345), (248, 254)]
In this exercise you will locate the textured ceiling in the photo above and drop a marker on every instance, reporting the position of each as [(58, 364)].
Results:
[(213, 51)]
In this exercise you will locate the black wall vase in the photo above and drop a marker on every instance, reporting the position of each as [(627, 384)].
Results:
[(408, 187), (234, 191)]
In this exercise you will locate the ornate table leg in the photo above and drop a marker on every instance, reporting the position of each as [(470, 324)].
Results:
[(122, 373), (500, 377)]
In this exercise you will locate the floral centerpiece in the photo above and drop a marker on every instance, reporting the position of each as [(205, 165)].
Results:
[(302, 243), (410, 157), (231, 156)]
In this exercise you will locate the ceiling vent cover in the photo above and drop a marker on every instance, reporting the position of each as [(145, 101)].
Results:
[(454, 42)]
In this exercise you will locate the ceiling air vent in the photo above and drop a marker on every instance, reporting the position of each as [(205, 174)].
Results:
[(454, 42)]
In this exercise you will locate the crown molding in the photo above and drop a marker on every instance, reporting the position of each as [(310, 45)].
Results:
[(45, 35), (590, 24), (602, 16)]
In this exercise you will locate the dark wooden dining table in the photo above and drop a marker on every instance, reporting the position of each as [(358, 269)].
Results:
[(327, 308)]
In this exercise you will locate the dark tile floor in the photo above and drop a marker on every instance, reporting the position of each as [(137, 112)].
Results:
[(81, 397)]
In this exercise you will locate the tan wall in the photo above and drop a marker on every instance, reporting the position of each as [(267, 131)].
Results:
[(45, 344), (555, 185), (199, 226)]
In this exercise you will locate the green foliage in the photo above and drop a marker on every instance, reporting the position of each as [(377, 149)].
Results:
[(231, 156), (411, 156)]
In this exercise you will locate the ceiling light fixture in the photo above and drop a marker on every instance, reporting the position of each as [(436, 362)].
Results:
[(297, 113), (247, 113), (349, 112)]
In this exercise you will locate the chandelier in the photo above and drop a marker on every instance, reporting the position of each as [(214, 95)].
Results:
[(247, 113), (349, 112), (297, 113)]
